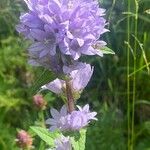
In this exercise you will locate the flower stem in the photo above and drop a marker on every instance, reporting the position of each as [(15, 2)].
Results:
[(69, 94)]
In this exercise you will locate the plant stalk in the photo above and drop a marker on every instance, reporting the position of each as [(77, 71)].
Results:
[(128, 78), (69, 94), (134, 76)]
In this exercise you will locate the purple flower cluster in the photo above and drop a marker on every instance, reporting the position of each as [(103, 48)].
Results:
[(61, 32), (60, 29), (76, 120)]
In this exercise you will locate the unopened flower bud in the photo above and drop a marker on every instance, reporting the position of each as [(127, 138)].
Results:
[(24, 140), (39, 101)]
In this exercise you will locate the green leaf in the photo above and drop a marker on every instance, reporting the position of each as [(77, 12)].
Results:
[(78, 141), (107, 50), (147, 11), (45, 135), (146, 102)]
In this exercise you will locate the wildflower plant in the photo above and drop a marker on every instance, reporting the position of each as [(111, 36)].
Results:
[(61, 31)]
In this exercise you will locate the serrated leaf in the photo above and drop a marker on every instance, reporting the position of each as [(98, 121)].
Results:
[(78, 143), (45, 135), (107, 50)]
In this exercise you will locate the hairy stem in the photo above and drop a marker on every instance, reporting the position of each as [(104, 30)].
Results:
[(69, 94)]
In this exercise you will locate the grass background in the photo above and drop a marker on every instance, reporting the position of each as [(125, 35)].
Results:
[(119, 90)]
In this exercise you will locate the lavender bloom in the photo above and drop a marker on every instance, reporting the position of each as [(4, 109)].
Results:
[(81, 118), (29, 21), (73, 121), (55, 86), (81, 77), (63, 143), (74, 26), (77, 120), (79, 80), (43, 50), (59, 120), (85, 110)]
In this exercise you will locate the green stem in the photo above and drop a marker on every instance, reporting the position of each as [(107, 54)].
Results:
[(110, 12), (128, 79), (134, 76), (42, 120)]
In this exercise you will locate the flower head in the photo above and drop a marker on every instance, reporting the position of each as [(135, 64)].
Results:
[(39, 101), (24, 140), (55, 86), (59, 120), (77, 120), (81, 77), (70, 121), (81, 118), (85, 110), (72, 27)]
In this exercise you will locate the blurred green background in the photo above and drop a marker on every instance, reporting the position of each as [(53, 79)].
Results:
[(119, 90)]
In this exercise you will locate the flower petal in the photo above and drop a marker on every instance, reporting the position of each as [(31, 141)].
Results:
[(51, 121), (63, 111), (55, 114), (52, 128), (86, 108), (54, 86)]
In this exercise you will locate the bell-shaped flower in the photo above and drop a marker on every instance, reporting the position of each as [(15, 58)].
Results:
[(58, 120), (81, 118), (86, 111), (75, 120)]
